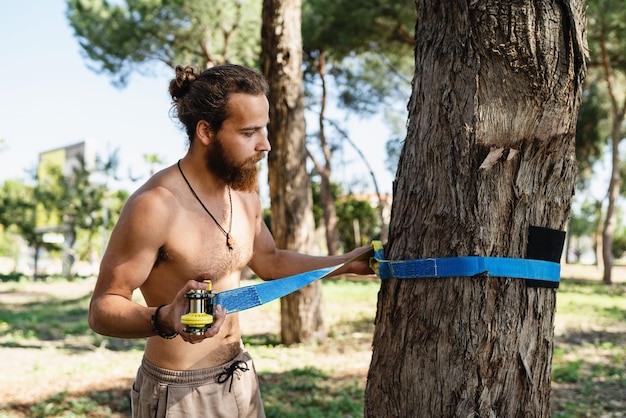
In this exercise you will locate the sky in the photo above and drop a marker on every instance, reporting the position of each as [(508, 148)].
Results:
[(51, 99)]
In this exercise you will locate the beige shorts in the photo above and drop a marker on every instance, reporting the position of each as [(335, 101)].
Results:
[(230, 390)]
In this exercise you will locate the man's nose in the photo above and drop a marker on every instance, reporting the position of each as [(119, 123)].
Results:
[(265, 145)]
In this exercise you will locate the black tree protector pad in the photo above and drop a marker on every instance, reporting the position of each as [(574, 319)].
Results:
[(544, 244)]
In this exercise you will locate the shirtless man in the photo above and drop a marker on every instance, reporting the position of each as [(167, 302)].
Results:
[(198, 219)]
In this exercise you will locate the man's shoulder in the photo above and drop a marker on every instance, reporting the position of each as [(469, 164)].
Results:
[(157, 194), (251, 199)]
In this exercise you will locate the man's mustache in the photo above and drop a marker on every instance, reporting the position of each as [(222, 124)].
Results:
[(256, 158)]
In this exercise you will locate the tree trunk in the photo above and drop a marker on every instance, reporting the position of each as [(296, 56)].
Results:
[(326, 193), (597, 238), (290, 190), (36, 262), (610, 221), (489, 152), (617, 115), (324, 169)]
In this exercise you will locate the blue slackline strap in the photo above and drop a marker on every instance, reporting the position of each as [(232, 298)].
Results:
[(464, 266), (247, 297)]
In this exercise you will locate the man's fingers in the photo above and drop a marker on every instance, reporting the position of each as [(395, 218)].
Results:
[(219, 316)]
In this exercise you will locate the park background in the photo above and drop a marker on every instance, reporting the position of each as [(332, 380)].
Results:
[(51, 99)]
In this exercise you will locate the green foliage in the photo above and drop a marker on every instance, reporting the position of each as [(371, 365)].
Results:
[(17, 208), (346, 27), (373, 80), (607, 44), (622, 175), (606, 20), (318, 213), (619, 243), (592, 130), (351, 209), (585, 219), (79, 203), (348, 209), (122, 37), (84, 204)]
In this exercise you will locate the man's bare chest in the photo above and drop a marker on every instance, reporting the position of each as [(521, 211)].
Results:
[(200, 248)]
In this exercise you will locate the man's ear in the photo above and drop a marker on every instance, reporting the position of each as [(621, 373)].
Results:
[(204, 132)]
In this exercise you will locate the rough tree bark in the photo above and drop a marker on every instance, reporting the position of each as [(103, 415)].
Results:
[(290, 190), (489, 152)]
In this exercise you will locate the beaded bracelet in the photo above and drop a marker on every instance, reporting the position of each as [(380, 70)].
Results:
[(157, 330)]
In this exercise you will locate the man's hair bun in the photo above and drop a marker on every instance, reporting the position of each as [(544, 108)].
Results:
[(185, 75)]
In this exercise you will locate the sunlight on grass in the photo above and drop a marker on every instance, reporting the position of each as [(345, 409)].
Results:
[(309, 392), (589, 361)]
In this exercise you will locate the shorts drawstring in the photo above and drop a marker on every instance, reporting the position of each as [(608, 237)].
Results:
[(230, 371)]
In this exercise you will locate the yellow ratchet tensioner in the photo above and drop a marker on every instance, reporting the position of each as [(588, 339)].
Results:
[(200, 316)]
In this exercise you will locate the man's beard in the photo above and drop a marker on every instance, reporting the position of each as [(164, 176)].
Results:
[(242, 177)]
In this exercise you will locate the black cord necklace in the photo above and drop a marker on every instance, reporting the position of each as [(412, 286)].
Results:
[(229, 239)]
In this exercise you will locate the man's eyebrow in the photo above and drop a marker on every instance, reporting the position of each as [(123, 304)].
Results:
[(254, 127), (251, 128)]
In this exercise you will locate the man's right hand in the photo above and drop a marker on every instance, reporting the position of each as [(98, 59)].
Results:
[(172, 313)]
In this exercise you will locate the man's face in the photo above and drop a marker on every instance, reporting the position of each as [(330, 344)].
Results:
[(234, 151)]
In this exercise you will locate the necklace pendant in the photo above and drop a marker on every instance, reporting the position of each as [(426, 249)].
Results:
[(230, 243)]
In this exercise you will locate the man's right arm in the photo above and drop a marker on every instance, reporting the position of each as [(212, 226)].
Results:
[(130, 256), (125, 266)]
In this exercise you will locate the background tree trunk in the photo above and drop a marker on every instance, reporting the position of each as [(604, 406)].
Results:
[(324, 167), (290, 190), (610, 221), (489, 152), (617, 114)]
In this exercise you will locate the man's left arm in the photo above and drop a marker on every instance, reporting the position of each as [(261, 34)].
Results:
[(271, 263)]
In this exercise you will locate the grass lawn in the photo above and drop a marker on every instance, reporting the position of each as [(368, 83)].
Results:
[(54, 365)]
